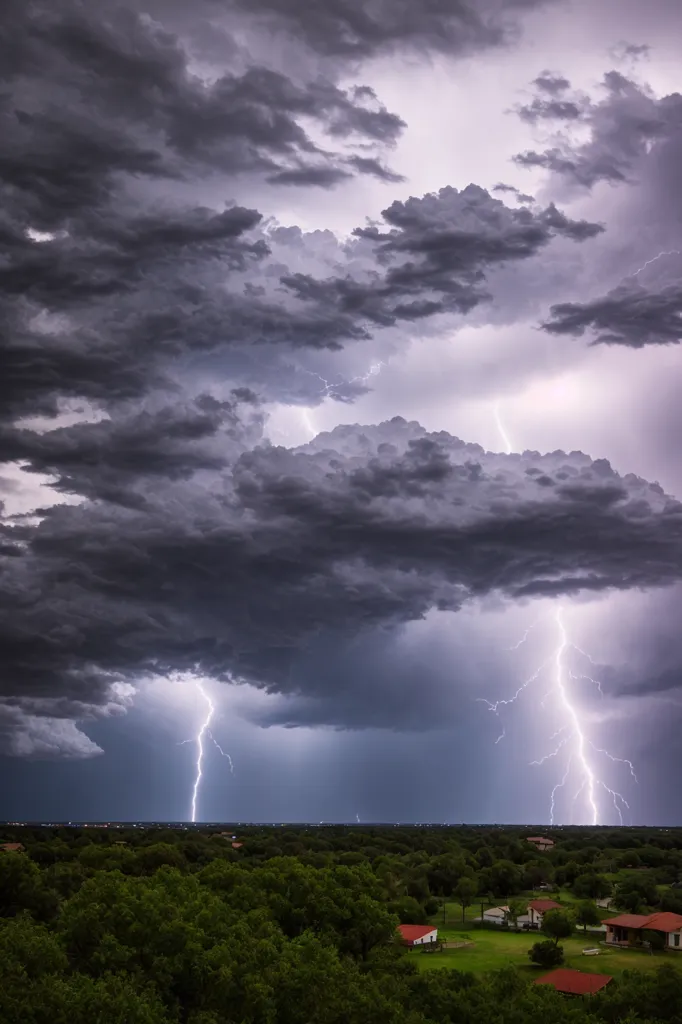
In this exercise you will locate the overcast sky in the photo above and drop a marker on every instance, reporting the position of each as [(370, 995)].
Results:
[(340, 394)]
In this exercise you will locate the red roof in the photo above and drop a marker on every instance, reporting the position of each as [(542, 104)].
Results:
[(12, 847), (410, 932), (539, 839), (237, 846), (662, 922), (542, 906), (574, 983)]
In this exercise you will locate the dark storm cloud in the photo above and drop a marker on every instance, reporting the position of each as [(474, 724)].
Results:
[(432, 255), (629, 315), (357, 29), (116, 460), (94, 96), (366, 527), (623, 125)]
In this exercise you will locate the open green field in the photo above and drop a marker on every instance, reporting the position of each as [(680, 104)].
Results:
[(495, 949)]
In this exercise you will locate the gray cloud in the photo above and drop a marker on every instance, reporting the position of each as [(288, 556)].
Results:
[(366, 527), (629, 315), (433, 254), (351, 29), (623, 125)]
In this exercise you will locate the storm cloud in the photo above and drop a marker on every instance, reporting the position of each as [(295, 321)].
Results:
[(365, 527), (629, 315)]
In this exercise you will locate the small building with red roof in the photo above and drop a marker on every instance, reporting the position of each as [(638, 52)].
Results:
[(574, 983), (418, 934), (628, 929), (538, 908), (12, 847), (541, 843)]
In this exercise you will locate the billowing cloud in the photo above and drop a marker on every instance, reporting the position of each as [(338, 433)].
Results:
[(366, 527), (623, 126), (629, 315)]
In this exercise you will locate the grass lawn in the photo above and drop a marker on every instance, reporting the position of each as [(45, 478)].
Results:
[(493, 950)]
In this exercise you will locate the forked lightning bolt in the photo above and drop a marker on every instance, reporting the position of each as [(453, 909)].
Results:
[(572, 731), (204, 731)]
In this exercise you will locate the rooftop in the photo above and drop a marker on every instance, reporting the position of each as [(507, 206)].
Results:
[(574, 983), (542, 906), (410, 932), (661, 922)]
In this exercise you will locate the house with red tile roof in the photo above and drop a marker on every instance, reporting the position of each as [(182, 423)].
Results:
[(574, 983), (628, 929), (12, 847), (541, 842), (418, 934), (538, 908)]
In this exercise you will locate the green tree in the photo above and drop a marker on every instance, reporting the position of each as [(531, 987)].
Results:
[(557, 925), (465, 891), (517, 907), (546, 954), (505, 878), (587, 914)]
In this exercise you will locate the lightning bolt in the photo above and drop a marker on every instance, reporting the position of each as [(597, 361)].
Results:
[(670, 252), (204, 731), (503, 432), (330, 387), (572, 731)]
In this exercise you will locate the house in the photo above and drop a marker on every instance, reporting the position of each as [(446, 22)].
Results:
[(537, 908), (574, 983), (237, 846), (495, 915), (418, 934), (12, 847), (627, 929), (541, 842)]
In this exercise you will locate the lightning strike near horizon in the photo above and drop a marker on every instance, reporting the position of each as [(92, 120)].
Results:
[(204, 731), (669, 252), (572, 730), (502, 431)]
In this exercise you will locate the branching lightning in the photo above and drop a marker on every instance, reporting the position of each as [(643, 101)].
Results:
[(330, 387), (572, 734), (204, 732)]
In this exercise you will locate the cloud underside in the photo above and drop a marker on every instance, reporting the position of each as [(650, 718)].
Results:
[(364, 528)]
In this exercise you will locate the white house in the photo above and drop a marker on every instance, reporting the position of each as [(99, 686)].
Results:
[(495, 915), (538, 908), (627, 929), (418, 934)]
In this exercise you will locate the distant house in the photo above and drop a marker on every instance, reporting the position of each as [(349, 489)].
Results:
[(237, 846), (574, 983), (418, 934), (12, 847), (496, 915), (541, 842), (605, 903), (538, 908), (627, 929)]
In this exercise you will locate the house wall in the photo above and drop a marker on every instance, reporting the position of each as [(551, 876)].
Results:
[(674, 940), (426, 939)]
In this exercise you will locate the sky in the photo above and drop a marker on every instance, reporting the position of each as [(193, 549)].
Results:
[(339, 417)]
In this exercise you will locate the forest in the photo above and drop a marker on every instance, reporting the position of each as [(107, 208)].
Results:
[(260, 925)]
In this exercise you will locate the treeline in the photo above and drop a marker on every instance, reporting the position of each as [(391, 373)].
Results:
[(289, 928)]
